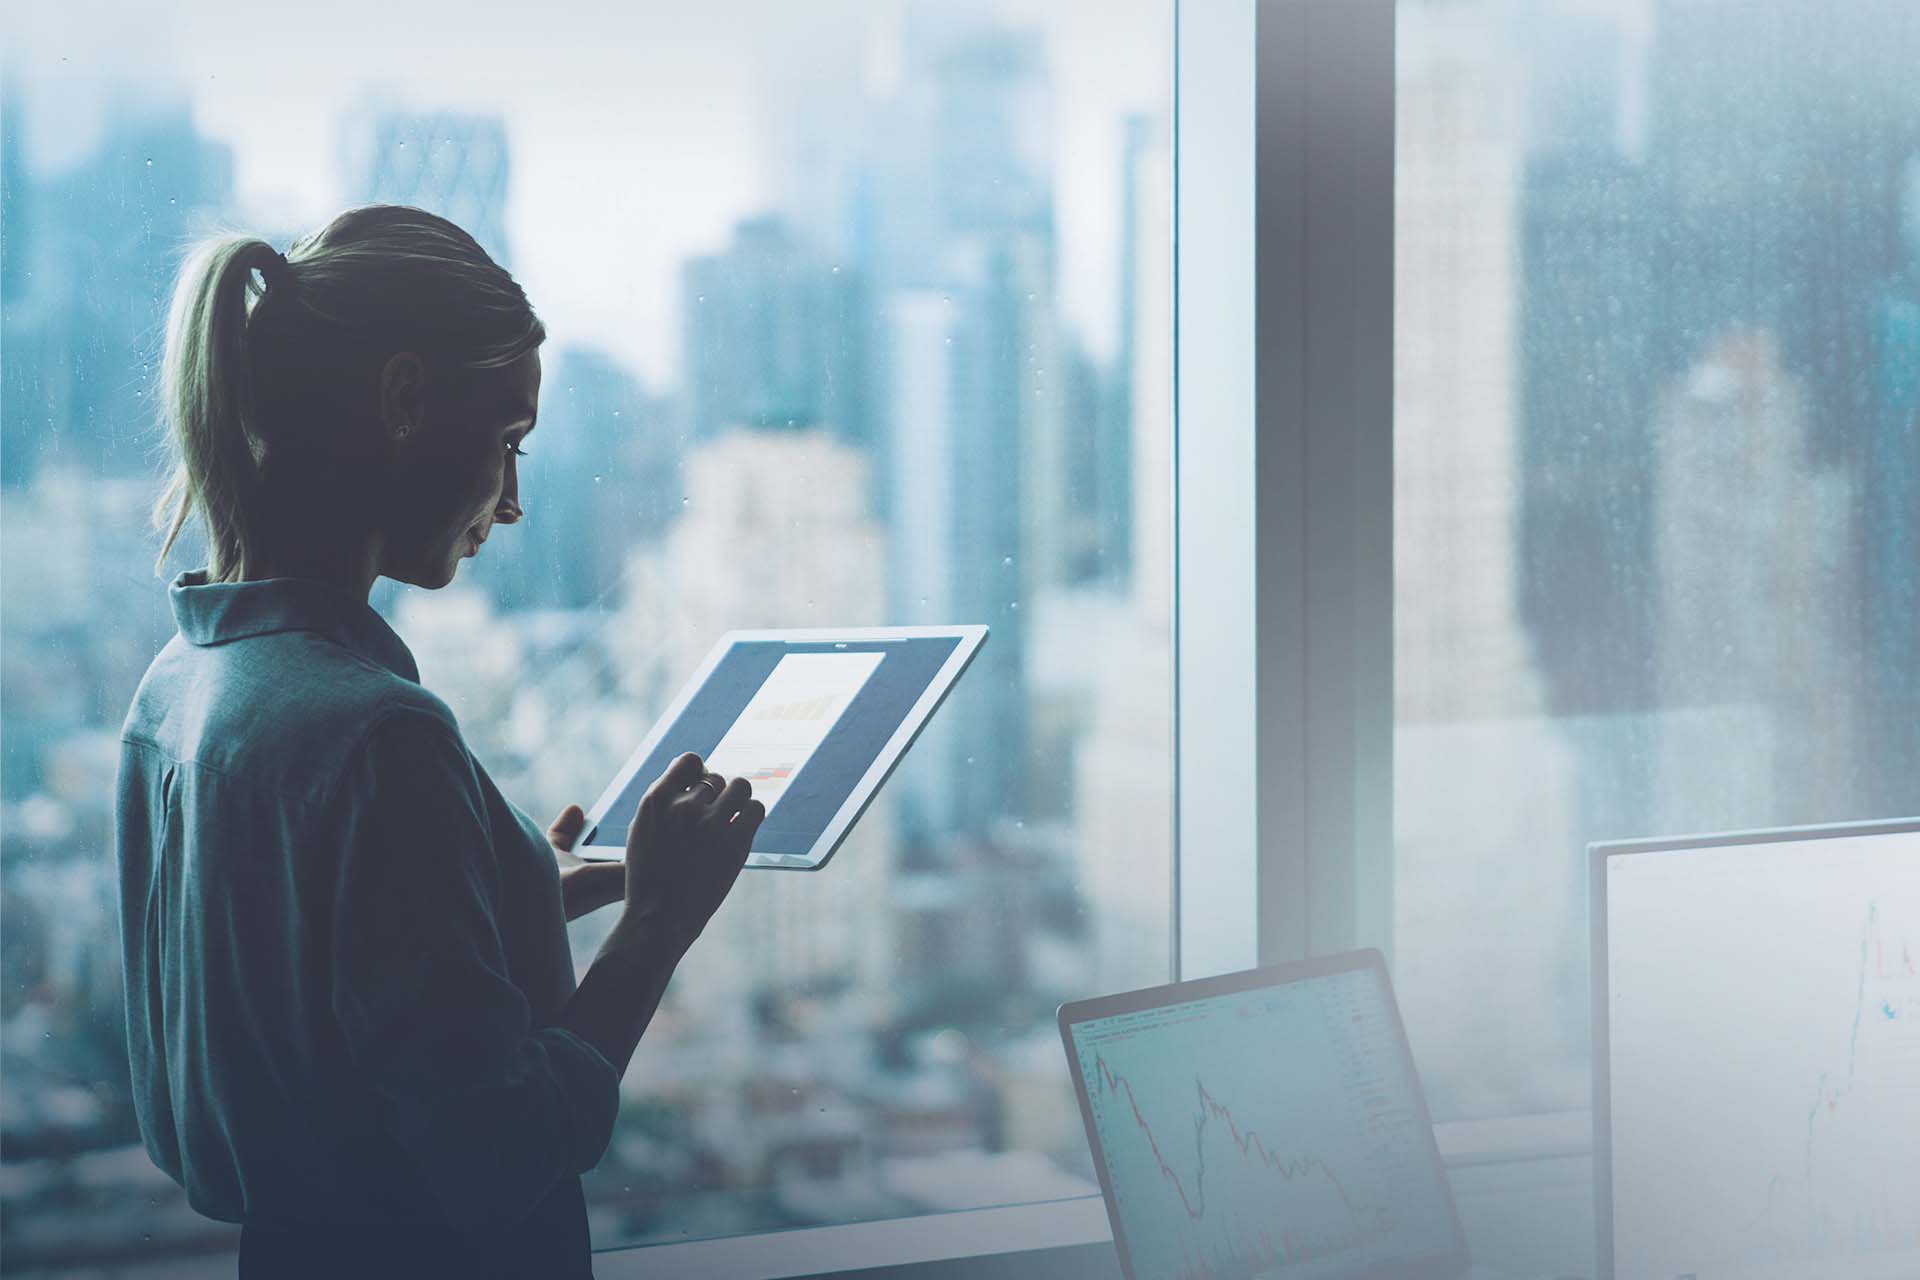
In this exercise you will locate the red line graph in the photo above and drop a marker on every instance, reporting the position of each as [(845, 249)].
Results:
[(1209, 1110)]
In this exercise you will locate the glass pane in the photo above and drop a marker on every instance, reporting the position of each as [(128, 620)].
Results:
[(859, 314), (1657, 474)]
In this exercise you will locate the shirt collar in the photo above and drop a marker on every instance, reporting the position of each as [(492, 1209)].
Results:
[(211, 613)]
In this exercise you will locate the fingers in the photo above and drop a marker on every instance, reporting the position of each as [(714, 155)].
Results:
[(669, 786), (681, 774), (566, 829), (732, 798)]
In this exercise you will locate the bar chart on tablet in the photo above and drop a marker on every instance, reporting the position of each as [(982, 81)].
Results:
[(788, 718)]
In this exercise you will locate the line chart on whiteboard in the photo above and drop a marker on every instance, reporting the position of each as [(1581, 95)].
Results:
[(1853, 1185), (1253, 1133), (1764, 1059)]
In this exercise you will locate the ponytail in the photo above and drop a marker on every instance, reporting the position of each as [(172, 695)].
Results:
[(207, 394), (254, 367)]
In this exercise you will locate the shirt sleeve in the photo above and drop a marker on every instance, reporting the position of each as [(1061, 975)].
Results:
[(494, 1110)]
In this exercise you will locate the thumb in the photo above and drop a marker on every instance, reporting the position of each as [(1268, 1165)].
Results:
[(567, 827)]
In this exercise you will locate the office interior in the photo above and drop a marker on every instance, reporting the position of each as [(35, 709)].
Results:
[(1404, 453)]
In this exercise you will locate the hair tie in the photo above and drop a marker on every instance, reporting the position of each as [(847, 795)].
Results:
[(277, 271)]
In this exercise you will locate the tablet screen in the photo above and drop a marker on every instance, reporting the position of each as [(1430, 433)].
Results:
[(804, 722)]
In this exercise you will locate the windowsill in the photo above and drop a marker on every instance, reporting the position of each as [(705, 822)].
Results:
[(809, 1251), (1009, 1229), (1514, 1139)]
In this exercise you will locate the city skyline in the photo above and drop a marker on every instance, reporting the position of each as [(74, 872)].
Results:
[(716, 126), (1636, 521), (887, 395)]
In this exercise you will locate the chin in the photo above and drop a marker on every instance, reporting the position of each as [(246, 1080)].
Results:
[(427, 577)]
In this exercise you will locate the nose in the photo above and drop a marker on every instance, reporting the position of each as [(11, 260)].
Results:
[(507, 510)]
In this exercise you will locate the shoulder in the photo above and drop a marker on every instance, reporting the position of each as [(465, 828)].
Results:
[(288, 711)]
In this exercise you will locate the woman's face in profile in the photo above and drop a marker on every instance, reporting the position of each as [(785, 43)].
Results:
[(460, 477)]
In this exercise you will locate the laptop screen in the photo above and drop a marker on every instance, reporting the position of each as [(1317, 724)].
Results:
[(1263, 1124)]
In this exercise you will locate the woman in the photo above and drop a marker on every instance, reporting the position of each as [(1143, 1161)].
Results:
[(352, 1016)]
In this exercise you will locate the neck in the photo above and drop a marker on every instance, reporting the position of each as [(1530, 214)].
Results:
[(311, 531), (351, 568)]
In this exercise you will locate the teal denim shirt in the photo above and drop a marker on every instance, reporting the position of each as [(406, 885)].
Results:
[(345, 950)]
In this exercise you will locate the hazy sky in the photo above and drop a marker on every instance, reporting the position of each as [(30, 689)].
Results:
[(639, 131)]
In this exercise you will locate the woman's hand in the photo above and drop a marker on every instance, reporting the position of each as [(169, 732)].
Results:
[(584, 886), (685, 848)]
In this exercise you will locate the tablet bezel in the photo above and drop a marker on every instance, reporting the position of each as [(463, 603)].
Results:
[(969, 637)]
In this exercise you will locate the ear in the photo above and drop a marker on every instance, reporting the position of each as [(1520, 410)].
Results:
[(403, 396)]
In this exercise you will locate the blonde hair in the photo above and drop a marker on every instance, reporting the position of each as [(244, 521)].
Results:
[(252, 367)]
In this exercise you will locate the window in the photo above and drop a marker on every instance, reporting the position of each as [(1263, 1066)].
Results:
[(859, 315), (1656, 474)]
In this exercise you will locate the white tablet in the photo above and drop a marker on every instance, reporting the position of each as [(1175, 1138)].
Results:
[(815, 720)]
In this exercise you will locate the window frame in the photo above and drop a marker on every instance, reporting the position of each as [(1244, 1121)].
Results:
[(1282, 476)]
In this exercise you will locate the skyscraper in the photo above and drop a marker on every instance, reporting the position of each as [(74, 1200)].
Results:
[(774, 335), (959, 504), (1123, 784), (777, 532), (446, 162), (1767, 201), (1890, 533), (1459, 651), (91, 256), (1754, 626), (955, 229), (601, 478)]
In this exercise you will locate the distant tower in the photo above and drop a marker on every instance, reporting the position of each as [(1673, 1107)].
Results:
[(777, 532), (955, 230), (1889, 529), (445, 162), (601, 477), (774, 334), (1460, 650), (87, 282), (1753, 624)]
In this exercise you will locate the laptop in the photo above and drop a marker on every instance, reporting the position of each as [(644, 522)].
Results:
[(1265, 1123), (1756, 1055)]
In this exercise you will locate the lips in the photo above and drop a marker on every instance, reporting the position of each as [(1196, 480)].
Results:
[(473, 542)]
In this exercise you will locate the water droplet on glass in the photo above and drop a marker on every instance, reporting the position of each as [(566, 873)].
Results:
[(836, 271), (596, 479), (1006, 562), (149, 162)]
